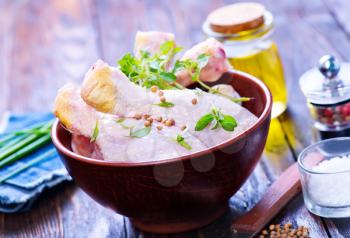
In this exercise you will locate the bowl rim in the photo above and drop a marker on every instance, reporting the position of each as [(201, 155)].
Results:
[(264, 115)]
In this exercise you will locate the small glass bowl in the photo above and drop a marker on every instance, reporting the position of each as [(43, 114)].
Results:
[(326, 186)]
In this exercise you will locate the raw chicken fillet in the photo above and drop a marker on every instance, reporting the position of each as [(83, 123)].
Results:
[(110, 104)]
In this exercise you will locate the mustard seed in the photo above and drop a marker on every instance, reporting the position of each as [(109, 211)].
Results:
[(154, 89)]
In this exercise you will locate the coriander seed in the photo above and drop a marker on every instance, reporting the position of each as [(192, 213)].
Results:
[(162, 99), (159, 119), (168, 122), (137, 116), (194, 101), (154, 89)]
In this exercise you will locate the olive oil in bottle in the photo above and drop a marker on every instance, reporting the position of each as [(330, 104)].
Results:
[(245, 30), (265, 64)]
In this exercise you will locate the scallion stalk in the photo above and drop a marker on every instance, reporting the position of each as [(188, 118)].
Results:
[(8, 150), (12, 135), (25, 150), (26, 166)]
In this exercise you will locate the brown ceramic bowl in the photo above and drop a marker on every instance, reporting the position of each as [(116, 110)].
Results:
[(178, 194)]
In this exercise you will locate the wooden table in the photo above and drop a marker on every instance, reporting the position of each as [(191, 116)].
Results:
[(44, 44)]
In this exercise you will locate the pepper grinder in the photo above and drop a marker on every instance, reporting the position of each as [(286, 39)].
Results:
[(327, 89)]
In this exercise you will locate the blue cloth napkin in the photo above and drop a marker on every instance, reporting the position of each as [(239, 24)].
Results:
[(20, 191)]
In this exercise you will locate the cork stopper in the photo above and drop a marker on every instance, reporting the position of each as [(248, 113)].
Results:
[(237, 17)]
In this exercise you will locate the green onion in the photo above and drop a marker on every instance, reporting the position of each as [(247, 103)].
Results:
[(25, 150), (26, 166), (8, 150), (14, 140), (12, 135)]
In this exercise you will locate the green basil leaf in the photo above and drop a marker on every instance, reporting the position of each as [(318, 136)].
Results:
[(228, 123), (203, 122), (168, 76), (140, 132), (165, 104), (95, 133), (182, 142)]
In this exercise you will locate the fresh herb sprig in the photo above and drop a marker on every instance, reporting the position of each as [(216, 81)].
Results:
[(194, 68), (181, 141), (148, 70), (154, 70), (165, 104), (140, 132), (227, 122), (95, 132)]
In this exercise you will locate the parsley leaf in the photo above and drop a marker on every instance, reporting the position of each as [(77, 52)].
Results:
[(182, 142), (168, 76), (95, 133), (140, 132)]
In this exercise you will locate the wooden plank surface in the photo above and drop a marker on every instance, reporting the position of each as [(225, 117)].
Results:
[(45, 44)]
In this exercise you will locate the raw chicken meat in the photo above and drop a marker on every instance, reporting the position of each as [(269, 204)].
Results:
[(216, 66), (150, 41), (109, 101)]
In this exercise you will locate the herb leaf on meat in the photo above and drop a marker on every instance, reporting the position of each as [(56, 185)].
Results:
[(165, 104), (140, 132), (203, 122), (95, 132), (227, 122), (181, 140)]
